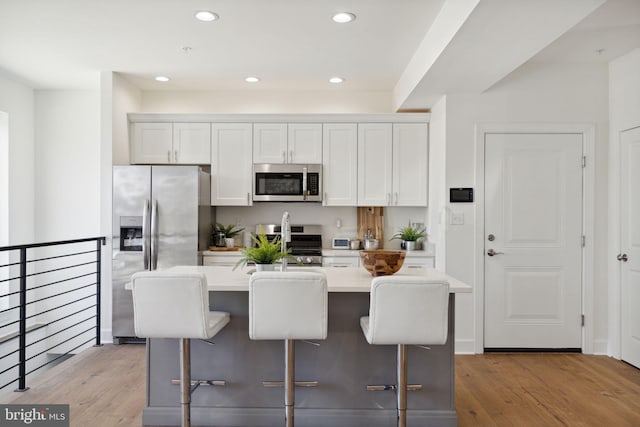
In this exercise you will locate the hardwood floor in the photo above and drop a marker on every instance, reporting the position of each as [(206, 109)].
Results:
[(105, 388)]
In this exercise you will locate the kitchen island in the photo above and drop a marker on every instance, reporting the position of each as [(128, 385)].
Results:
[(343, 364)]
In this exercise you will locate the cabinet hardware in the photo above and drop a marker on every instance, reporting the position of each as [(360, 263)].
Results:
[(491, 252), (168, 156), (622, 257)]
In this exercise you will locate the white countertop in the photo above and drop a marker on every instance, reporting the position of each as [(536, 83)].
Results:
[(340, 279), (350, 252), (326, 252)]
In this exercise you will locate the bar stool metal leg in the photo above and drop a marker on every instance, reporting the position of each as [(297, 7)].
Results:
[(185, 381), (289, 381), (401, 388)]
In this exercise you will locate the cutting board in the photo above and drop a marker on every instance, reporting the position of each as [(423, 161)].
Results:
[(371, 218), (224, 249)]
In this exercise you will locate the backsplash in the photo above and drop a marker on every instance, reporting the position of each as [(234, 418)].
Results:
[(335, 221)]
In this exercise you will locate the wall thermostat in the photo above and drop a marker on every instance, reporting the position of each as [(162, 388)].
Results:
[(460, 195)]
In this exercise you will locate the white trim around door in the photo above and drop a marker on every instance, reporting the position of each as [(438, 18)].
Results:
[(588, 136)]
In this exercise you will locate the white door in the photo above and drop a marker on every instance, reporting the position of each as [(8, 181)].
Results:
[(533, 223), (630, 244)]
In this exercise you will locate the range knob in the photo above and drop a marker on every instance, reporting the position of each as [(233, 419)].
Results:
[(308, 260), (299, 259)]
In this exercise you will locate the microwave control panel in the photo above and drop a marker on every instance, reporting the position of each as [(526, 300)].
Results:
[(313, 184)]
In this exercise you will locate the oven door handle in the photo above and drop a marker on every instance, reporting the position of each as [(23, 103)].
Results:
[(304, 183)]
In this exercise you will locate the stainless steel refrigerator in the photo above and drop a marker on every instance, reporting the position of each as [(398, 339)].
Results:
[(161, 218)]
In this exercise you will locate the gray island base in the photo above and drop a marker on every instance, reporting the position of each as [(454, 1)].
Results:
[(343, 364)]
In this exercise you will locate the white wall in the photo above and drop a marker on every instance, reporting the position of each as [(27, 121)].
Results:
[(624, 113), (17, 100), (257, 101), (127, 98), (536, 93), (117, 98), (437, 222), (67, 164)]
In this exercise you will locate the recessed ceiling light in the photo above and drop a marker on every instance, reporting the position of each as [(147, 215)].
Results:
[(336, 80), (205, 16), (343, 17), (162, 78), (252, 79)]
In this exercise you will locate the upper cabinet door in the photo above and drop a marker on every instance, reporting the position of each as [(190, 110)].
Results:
[(374, 164), (192, 143), (151, 143), (231, 164), (410, 164), (340, 164), (269, 143), (305, 143)]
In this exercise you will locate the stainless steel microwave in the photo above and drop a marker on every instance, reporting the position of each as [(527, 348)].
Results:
[(288, 182)]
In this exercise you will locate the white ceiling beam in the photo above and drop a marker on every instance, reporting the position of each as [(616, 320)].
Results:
[(496, 38)]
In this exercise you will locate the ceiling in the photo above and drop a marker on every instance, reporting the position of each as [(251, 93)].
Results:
[(414, 49)]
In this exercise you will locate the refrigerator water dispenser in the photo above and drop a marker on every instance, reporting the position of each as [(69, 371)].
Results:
[(131, 233)]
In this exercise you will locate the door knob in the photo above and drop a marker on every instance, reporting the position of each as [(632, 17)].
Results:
[(622, 257), (491, 252)]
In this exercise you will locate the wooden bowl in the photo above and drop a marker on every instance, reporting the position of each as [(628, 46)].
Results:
[(382, 262)]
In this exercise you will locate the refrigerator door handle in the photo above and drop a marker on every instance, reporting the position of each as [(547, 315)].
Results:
[(145, 234), (154, 235)]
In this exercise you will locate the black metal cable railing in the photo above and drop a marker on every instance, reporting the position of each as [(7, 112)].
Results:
[(49, 304)]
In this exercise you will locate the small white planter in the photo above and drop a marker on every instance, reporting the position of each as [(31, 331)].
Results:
[(265, 267), (229, 242)]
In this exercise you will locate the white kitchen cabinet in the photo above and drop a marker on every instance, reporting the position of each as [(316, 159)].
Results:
[(269, 143), (340, 164), (340, 261), (222, 259), (375, 148), (231, 164), (151, 143), (392, 164), (171, 143), (192, 143), (412, 260), (304, 143), (410, 164), (292, 143)]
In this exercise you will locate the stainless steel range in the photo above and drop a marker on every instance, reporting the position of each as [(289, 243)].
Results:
[(305, 245)]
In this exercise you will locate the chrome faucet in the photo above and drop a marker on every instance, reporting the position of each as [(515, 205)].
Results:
[(285, 237)]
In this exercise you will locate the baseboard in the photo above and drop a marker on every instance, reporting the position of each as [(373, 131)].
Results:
[(106, 336), (465, 347), (601, 347)]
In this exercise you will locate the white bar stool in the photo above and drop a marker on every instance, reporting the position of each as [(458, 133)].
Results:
[(175, 305), (406, 310), (288, 306)]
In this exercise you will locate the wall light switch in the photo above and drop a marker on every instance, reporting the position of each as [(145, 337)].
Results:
[(457, 218)]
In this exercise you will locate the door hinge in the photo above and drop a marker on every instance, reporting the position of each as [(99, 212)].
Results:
[(584, 161), (583, 241), (582, 320)]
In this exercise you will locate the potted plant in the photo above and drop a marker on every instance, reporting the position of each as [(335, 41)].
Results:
[(264, 253), (409, 235), (229, 232)]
